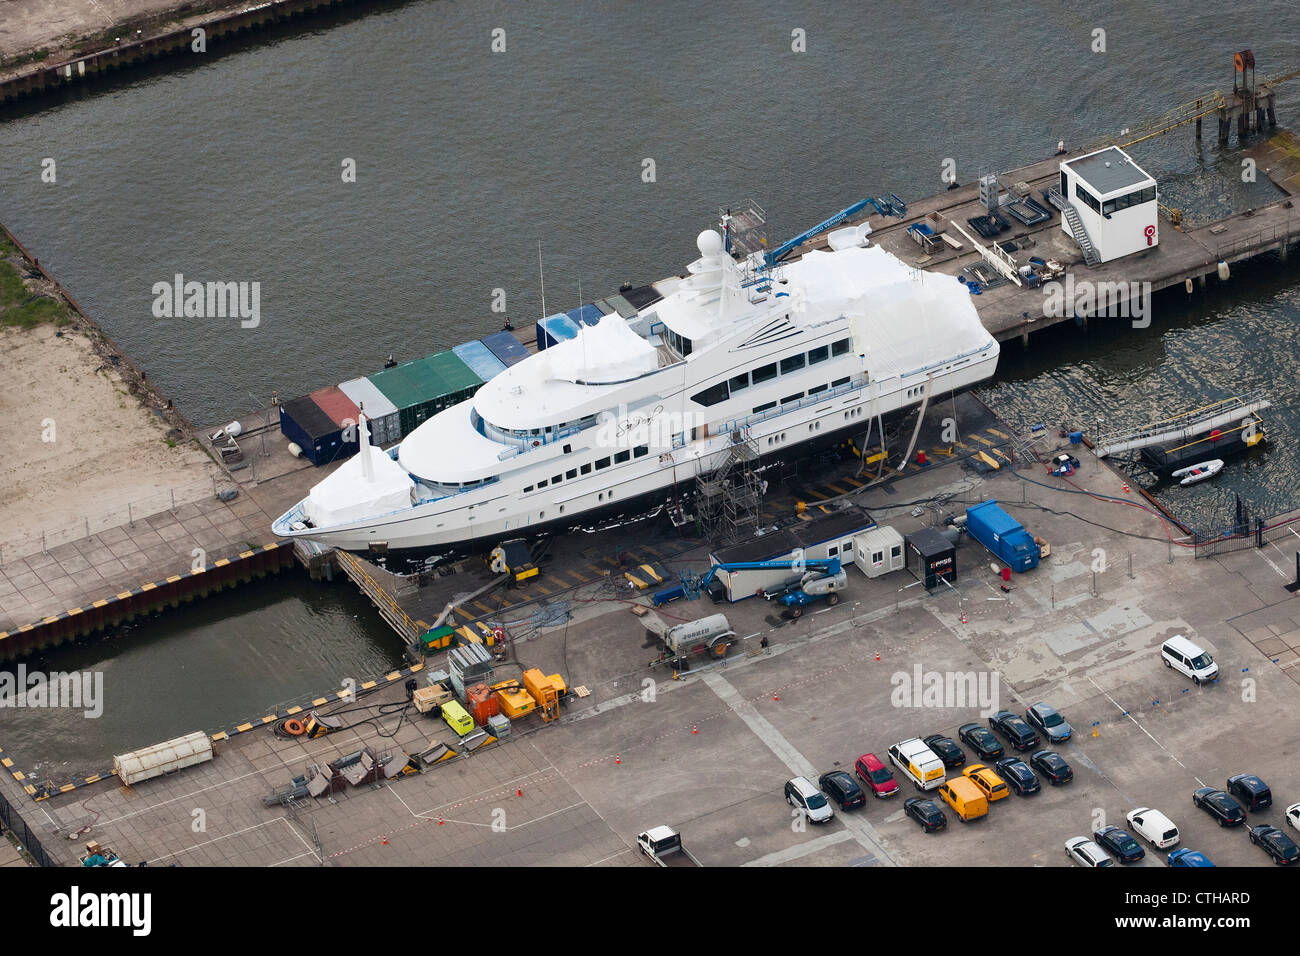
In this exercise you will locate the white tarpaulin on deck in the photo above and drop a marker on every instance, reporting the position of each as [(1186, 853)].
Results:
[(347, 495)]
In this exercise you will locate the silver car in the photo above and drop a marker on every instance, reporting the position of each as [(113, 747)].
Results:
[(1044, 718), (1086, 853)]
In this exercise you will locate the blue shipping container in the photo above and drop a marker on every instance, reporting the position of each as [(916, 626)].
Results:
[(506, 347), (480, 359), (585, 315), (555, 329)]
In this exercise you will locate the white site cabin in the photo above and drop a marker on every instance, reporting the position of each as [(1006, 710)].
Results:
[(1116, 202)]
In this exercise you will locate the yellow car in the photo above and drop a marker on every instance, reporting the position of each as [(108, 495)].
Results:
[(992, 786)]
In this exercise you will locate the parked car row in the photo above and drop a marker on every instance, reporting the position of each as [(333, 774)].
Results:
[(925, 762), (1228, 807)]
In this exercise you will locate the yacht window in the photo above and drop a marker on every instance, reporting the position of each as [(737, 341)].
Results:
[(764, 407), (640, 451), (764, 373), (622, 456), (740, 381), (571, 474), (542, 483), (568, 449), (841, 347), (792, 364), (792, 398), (711, 395), (528, 489), (832, 551), (838, 382), (557, 479), (602, 463), (586, 469), (817, 388), (819, 354)]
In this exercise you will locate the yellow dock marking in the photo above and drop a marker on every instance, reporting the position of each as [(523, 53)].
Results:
[(818, 495), (122, 596), (243, 727), (100, 603), (482, 606), (994, 431), (852, 481), (835, 488), (295, 709), (981, 438), (73, 610), (464, 613), (543, 588)]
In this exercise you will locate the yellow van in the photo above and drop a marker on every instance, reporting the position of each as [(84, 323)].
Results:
[(965, 799), (457, 718)]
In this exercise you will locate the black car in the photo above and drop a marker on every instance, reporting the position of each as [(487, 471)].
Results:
[(1018, 776), (1121, 843), (1220, 806), (840, 788), (1275, 843), (1052, 766), (946, 749), (981, 740), (926, 813), (1014, 728), (1251, 792)]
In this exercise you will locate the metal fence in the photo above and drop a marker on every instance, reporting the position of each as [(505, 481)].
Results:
[(11, 820), (1280, 234), (21, 546), (1246, 531)]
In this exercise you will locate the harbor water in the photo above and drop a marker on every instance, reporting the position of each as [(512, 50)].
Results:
[(611, 133)]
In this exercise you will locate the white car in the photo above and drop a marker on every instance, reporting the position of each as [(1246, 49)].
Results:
[(801, 793), (1154, 827), (1086, 853), (1293, 816)]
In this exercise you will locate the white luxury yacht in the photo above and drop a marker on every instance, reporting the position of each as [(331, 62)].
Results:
[(777, 354)]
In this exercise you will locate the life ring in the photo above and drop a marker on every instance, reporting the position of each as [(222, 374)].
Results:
[(536, 443), (294, 727)]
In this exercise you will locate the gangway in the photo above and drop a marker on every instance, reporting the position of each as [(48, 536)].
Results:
[(1197, 421)]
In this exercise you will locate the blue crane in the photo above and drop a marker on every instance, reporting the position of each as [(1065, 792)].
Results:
[(770, 259)]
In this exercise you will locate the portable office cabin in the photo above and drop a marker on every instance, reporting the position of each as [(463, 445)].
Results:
[(1116, 202), (878, 551), (931, 557), (817, 539), (506, 347), (307, 425), (480, 359), (381, 413)]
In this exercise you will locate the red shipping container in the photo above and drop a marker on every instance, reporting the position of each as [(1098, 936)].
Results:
[(341, 409)]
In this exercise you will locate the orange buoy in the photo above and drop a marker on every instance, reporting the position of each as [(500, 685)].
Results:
[(294, 727)]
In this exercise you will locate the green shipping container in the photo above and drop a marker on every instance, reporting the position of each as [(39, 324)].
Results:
[(414, 390), (460, 380)]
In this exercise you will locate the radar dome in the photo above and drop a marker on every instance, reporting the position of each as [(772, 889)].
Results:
[(709, 243)]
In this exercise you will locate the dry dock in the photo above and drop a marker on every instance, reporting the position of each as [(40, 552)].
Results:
[(708, 753)]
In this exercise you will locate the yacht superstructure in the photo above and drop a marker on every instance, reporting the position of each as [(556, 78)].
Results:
[(779, 354)]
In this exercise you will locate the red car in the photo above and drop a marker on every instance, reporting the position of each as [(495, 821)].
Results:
[(875, 775)]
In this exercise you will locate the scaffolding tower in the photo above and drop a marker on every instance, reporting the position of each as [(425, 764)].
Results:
[(729, 500)]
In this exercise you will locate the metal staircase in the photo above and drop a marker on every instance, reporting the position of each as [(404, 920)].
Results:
[(1071, 215), (729, 501)]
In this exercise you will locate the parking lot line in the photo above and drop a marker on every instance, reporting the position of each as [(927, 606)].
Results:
[(791, 853), (1144, 730), (797, 763)]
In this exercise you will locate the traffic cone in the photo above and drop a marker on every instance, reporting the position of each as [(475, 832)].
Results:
[(519, 792), (384, 842), (877, 655), (775, 698), (963, 617), (695, 728), (1124, 485), (617, 758)]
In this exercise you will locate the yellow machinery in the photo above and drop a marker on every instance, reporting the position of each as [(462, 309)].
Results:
[(540, 692), (546, 690)]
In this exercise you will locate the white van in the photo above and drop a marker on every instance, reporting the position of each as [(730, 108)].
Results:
[(918, 763), (1189, 659)]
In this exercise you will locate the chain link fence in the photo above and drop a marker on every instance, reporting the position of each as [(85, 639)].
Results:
[(12, 820)]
